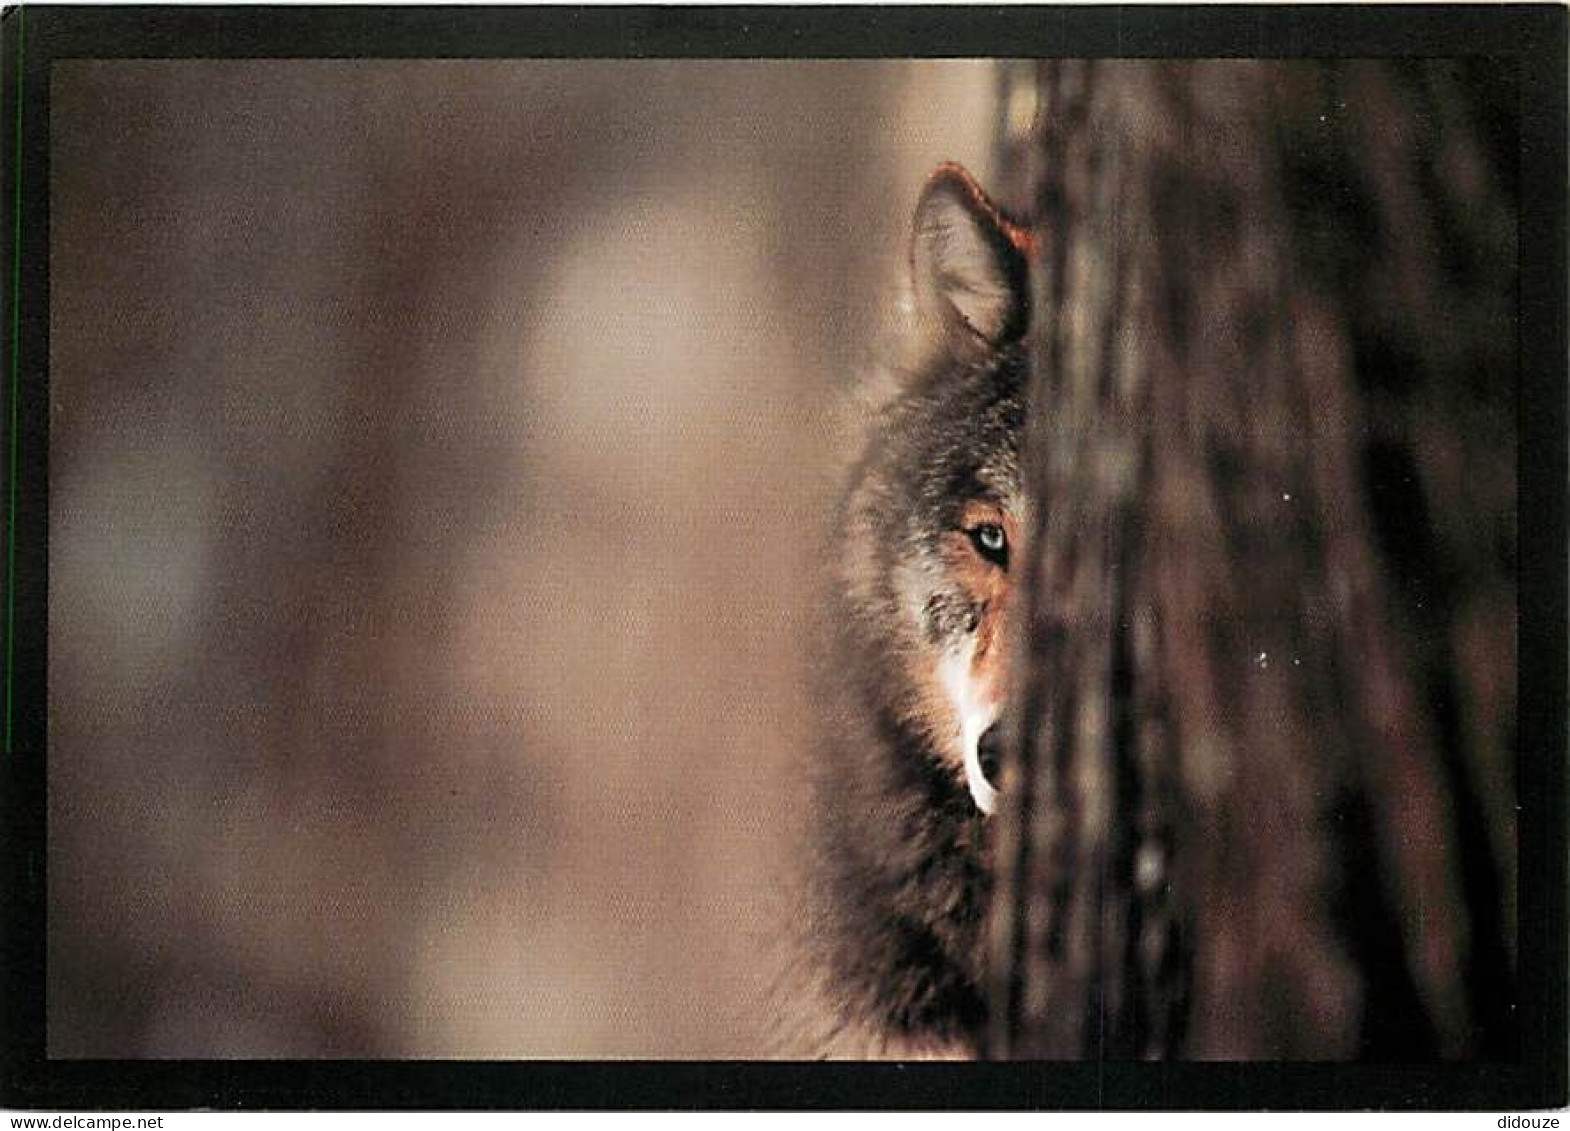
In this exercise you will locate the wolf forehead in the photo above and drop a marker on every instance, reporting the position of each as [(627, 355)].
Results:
[(960, 442)]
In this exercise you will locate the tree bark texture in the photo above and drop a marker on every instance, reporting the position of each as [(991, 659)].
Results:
[(1262, 800)]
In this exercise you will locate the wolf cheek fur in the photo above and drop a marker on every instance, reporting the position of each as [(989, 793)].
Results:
[(928, 534)]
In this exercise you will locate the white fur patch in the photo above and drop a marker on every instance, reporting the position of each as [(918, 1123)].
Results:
[(975, 716)]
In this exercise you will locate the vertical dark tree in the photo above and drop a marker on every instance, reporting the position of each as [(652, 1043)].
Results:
[(1263, 798)]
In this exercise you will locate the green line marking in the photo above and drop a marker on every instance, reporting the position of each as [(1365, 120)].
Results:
[(16, 368)]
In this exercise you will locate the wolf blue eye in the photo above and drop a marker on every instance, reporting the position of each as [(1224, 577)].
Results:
[(991, 542)]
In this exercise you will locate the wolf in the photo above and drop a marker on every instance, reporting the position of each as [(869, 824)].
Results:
[(926, 545)]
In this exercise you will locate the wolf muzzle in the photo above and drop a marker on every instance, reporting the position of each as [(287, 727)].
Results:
[(989, 754)]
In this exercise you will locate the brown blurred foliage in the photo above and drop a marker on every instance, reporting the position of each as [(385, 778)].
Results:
[(436, 455)]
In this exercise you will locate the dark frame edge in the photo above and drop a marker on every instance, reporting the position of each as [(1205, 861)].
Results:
[(1543, 456), (24, 418)]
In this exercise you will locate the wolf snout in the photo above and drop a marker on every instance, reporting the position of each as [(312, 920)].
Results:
[(989, 753)]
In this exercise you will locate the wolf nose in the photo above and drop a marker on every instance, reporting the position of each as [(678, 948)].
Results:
[(989, 753)]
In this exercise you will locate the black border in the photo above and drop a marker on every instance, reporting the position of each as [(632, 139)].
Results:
[(1533, 36)]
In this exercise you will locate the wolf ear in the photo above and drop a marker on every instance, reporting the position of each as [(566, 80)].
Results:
[(968, 262)]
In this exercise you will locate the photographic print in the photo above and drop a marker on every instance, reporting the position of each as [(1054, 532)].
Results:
[(696, 536)]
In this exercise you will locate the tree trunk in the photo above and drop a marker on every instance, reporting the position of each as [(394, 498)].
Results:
[(1263, 796)]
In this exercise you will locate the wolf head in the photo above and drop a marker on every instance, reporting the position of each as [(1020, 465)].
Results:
[(928, 545), (937, 516)]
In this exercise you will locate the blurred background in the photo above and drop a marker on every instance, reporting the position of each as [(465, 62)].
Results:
[(437, 455)]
